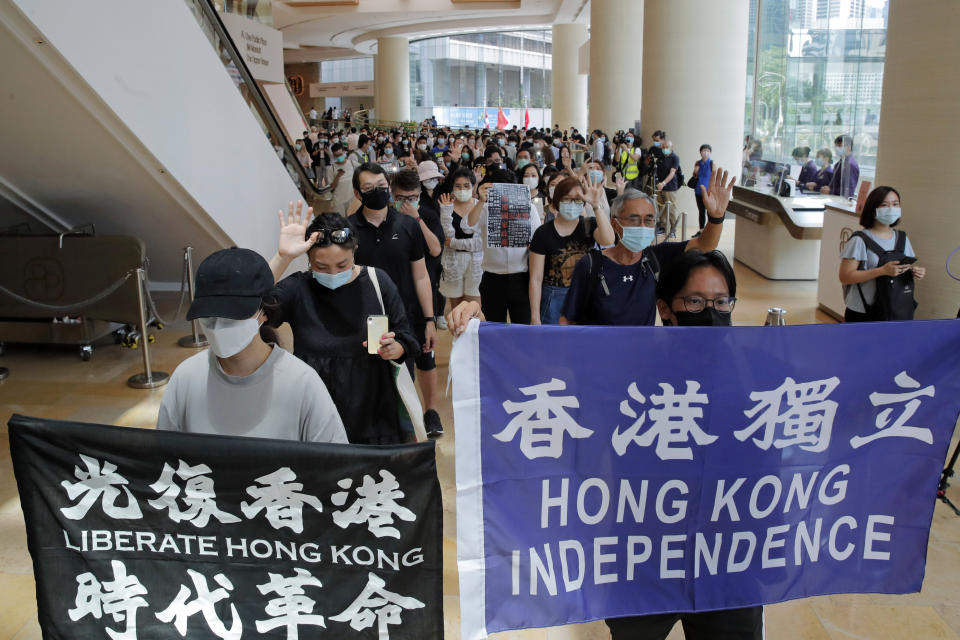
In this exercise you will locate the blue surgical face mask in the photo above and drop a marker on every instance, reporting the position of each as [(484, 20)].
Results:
[(388, 152), (839, 151), (667, 151), (656, 143), (570, 210), (629, 140), (595, 175), (888, 215), (636, 239), (340, 159), (522, 162), (821, 162), (333, 280)]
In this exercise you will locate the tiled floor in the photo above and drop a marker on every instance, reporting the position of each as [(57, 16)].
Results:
[(54, 383)]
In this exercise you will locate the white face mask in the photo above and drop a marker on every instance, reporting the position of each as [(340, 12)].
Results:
[(431, 183), (888, 215), (463, 195), (531, 182), (229, 337)]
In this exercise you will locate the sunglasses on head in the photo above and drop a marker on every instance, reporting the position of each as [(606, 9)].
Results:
[(336, 236)]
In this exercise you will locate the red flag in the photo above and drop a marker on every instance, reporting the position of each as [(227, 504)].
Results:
[(526, 118), (502, 122)]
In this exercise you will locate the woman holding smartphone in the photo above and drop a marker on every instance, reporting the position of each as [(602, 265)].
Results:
[(860, 264), (328, 307)]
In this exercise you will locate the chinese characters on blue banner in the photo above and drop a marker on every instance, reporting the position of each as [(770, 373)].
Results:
[(648, 471)]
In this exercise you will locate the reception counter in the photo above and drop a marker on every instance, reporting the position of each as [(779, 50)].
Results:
[(779, 237), (840, 220)]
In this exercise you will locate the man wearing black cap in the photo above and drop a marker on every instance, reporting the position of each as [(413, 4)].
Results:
[(243, 385)]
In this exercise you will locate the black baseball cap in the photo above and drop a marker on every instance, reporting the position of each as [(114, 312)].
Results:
[(230, 284)]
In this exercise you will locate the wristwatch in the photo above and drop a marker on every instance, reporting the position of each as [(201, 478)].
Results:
[(430, 319), (717, 220)]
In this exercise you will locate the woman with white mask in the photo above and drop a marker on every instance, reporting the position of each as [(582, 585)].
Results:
[(530, 176), (878, 253), (245, 384), (327, 307), (462, 258), (558, 246)]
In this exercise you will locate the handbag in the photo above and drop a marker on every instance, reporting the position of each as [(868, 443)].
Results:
[(406, 390), (692, 182)]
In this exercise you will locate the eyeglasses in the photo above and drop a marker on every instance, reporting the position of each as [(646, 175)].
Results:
[(696, 304), (637, 221), (403, 199), (336, 236), (579, 203)]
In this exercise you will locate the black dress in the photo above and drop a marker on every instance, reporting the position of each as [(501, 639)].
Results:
[(329, 328)]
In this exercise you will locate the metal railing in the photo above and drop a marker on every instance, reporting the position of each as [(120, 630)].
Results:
[(220, 39)]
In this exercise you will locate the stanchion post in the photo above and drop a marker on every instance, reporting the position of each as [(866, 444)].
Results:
[(683, 226), (149, 379), (195, 339), (776, 317)]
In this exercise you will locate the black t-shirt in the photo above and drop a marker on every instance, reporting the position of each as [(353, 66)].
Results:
[(430, 212), (562, 253), (633, 297), (670, 162), (391, 247), (329, 327)]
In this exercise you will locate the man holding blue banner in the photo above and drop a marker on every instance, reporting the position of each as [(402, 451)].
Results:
[(696, 289), (748, 466)]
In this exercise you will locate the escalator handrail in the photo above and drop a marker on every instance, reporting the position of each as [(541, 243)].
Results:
[(273, 124)]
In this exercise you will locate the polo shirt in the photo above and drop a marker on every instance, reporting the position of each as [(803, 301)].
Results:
[(391, 247)]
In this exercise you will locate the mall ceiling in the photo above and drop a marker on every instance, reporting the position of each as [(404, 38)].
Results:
[(330, 29)]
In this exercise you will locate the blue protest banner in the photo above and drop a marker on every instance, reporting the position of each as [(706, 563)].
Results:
[(606, 472)]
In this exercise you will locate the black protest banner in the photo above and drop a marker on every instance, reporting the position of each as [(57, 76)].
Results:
[(149, 534)]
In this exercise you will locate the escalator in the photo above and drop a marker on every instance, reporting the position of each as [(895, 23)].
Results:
[(122, 115)]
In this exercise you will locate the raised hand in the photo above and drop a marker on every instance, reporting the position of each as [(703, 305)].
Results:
[(621, 184), (716, 196), (293, 227), (446, 200), (593, 191)]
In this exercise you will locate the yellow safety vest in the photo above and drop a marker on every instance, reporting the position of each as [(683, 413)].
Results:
[(628, 166)]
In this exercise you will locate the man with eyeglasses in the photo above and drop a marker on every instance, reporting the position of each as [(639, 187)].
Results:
[(394, 242), (617, 286), (416, 203), (696, 289)]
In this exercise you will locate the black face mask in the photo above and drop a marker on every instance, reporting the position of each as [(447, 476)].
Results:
[(376, 199), (709, 317)]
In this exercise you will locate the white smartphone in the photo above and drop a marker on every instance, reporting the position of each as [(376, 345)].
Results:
[(377, 326)]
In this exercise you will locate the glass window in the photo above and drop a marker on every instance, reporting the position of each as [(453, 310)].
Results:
[(462, 77), (815, 72)]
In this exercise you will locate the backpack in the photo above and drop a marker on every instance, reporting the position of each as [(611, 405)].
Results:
[(595, 276), (894, 299)]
